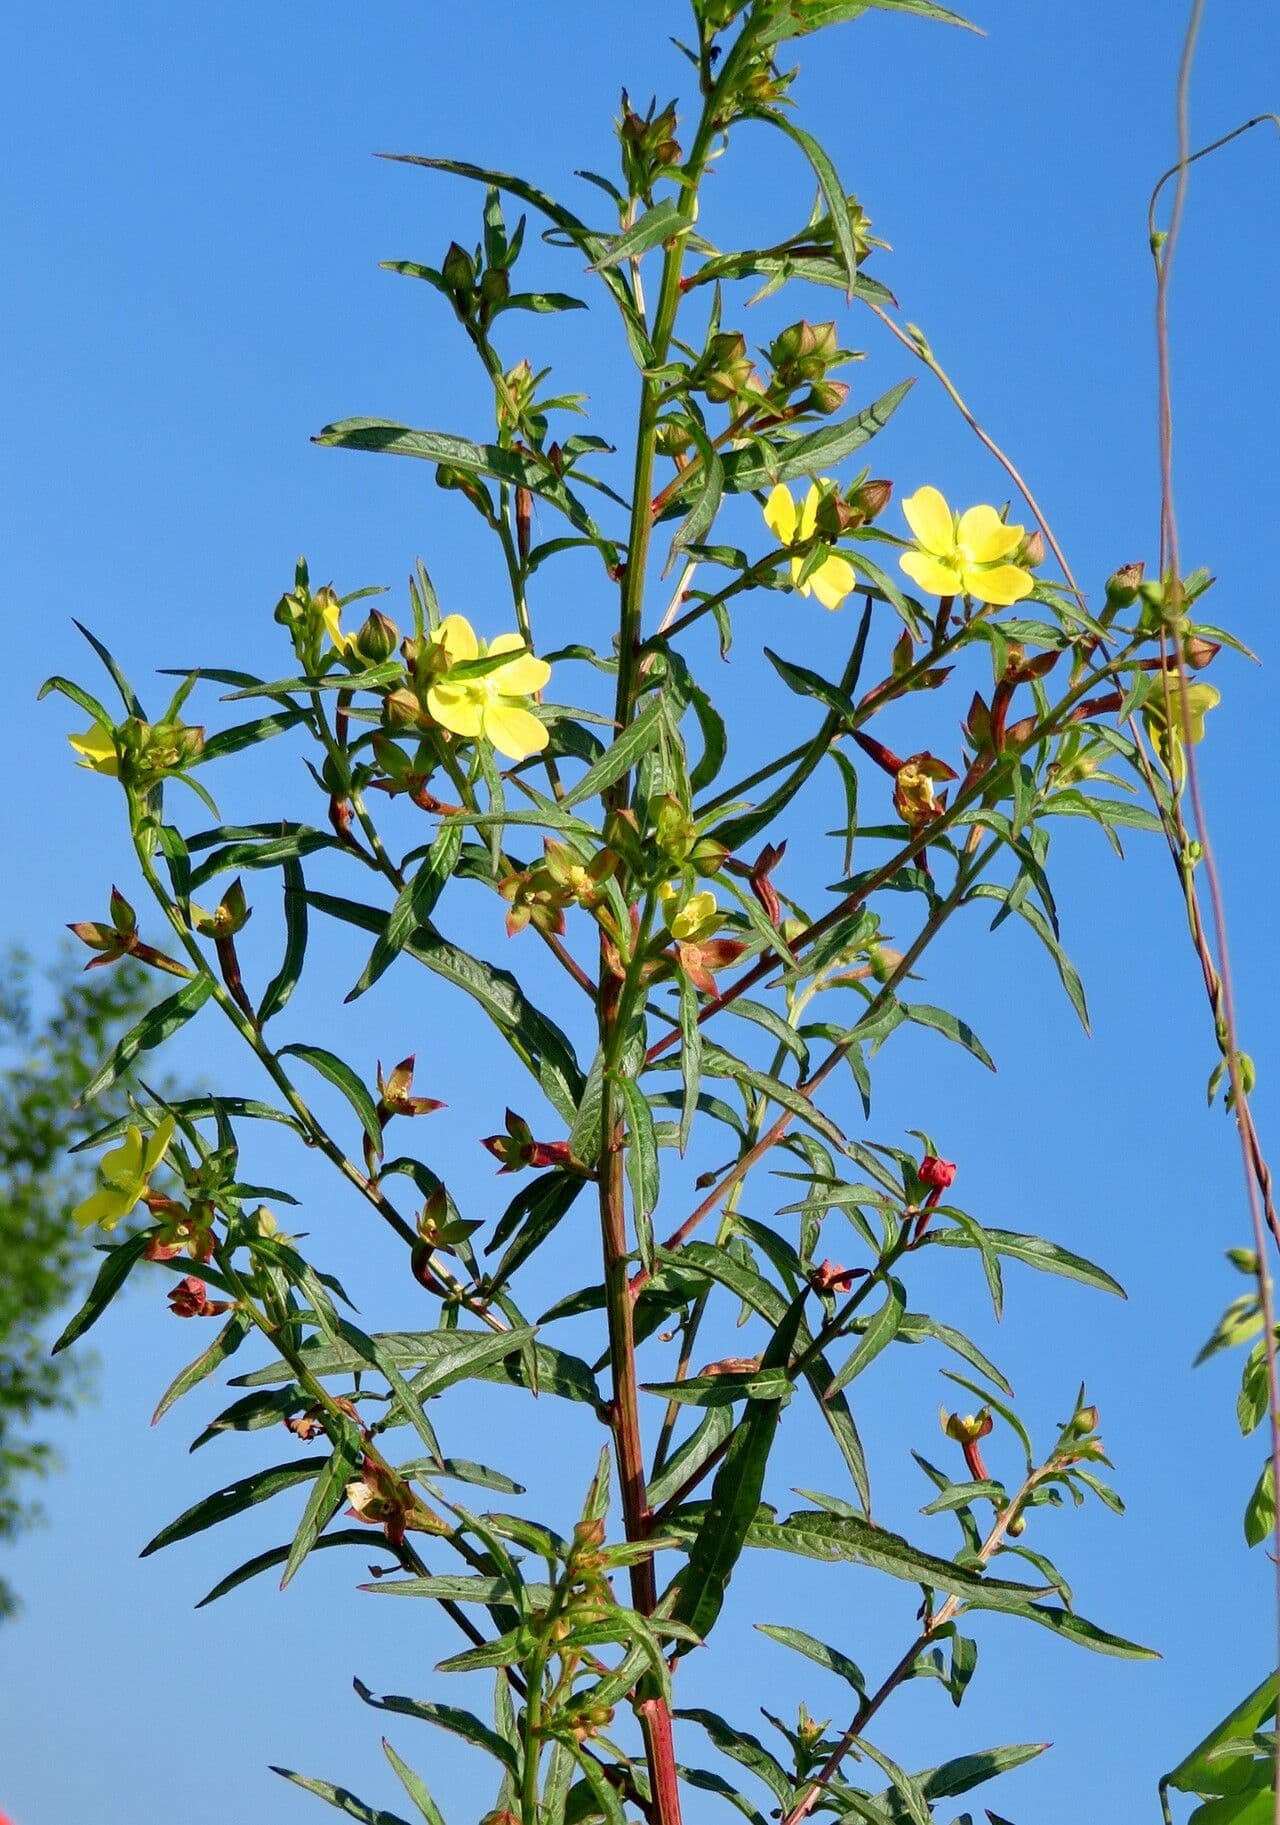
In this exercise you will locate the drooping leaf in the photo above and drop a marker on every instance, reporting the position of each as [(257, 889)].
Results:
[(156, 1025)]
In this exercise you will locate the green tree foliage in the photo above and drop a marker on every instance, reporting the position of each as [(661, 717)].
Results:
[(51, 1029)]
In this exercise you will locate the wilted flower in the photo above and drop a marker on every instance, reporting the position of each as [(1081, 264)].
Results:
[(914, 798), (190, 1299), (1171, 724), (963, 556)]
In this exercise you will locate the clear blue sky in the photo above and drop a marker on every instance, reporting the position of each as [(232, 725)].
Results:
[(193, 227)]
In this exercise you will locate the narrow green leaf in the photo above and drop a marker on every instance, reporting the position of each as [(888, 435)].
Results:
[(447, 1717), (833, 191), (634, 742), (831, 1658), (879, 1334), (156, 1025), (414, 1786), (339, 1798), (664, 222), (249, 734), (747, 470), (327, 1495), (234, 1498), (343, 1078), (951, 1026), (359, 1537), (224, 1345), (117, 1265), (283, 983), (1034, 1251), (413, 906)]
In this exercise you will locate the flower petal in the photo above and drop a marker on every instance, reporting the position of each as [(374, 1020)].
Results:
[(934, 576), (525, 674), (1000, 584), (929, 517), (97, 749), (809, 512), (158, 1145), (458, 638), (513, 730), (834, 580), (103, 1207), (456, 707), (123, 1166), (780, 514), (985, 536)]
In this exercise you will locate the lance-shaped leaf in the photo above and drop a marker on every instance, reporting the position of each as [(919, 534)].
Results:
[(833, 191), (509, 466), (340, 1798), (735, 1494), (664, 222), (283, 983), (536, 1040), (156, 1025), (414, 1786), (815, 453), (832, 1537), (413, 906), (799, 17), (830, 1658), (634, 742), (327, 1495), (748, 1751), (343, 1078), (224, 1345), (111, 1276), (1034, 1251), (234, 1498), (448, 1717), (359, 1537), (250, 734)]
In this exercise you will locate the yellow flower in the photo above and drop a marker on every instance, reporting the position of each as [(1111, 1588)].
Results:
[(97, 749), (835, 577), (331, 615), (125, 1173), (490, 707), (1170, 733), (963, 556), (696, 918)]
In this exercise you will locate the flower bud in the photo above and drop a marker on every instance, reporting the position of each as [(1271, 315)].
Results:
[(378, 638), (1122, 585), (938, 1175), (1084, 1421), (884, 961), (1030, 554), (495, 286), (458, 271), (827, 396), (1199, 652), (870, 499), (1246, 1259)]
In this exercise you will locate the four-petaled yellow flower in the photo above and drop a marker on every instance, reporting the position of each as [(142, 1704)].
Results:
[(963, 555), (835, 577), (491, 707), (331, 615), (125, 1173), (697, 918), (97, 750)]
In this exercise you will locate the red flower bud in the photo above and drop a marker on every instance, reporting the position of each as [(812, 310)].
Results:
[(938, 1174), (190, 1299)]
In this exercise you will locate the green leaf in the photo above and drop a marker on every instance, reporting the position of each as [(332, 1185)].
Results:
[(831, 1658), (879, 1334), (343, 1078), (834, 1537), (905, 1786), (117, 1265), (535, 1039), (447, 1717), (735, 1493), (413, 906), (724, 1390), (251, 1413), (1260, 1510), (511, 467), (451, 1589), (341, 1799), (805, 683), (950, 1026), (224, 1345), (718, 1063), (690, 1058), (156, 1025), (1034, 1251), (641, 1162), (741, 1747), (536, 1210), (414, 1786), (990, 890), (747, 470), (234, 1498), (249, 734), (664, 222), (795, 21), (358, 1537), (327, 1495), (283, 983), (1206, 1772), (833, 191), (634, 742)]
